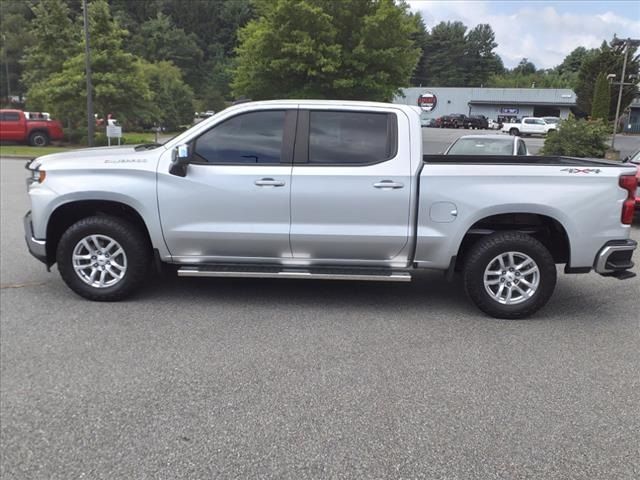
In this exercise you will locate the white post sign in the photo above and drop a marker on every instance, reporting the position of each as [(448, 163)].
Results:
[(113, 131)]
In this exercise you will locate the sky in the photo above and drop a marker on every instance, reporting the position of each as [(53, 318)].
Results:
[(542, 31)]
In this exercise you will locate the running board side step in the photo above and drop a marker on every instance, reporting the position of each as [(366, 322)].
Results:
[(309, 274)]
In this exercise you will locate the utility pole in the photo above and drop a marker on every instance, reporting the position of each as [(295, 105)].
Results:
[(628, 43), (624, 70), (91, 120)]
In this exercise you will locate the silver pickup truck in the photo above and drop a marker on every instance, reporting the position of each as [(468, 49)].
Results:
[(327, 190)]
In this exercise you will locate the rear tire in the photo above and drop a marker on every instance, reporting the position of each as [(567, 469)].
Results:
[(103, 258), (39, 139), (509, 275), (514, 132)]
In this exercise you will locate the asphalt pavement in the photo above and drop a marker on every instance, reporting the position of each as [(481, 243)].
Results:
[(218, 378)]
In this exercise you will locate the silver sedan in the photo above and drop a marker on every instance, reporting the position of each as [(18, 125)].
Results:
[(487, 145)]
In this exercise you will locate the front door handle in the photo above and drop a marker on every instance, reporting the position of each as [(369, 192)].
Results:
[(388, 184), (269, 182)]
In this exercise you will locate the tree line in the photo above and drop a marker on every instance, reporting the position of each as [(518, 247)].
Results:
[(156, 61)]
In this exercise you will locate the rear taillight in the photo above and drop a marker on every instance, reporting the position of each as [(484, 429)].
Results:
[(629, 183)]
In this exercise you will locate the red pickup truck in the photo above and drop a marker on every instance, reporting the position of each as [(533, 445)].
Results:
[(16, 126)]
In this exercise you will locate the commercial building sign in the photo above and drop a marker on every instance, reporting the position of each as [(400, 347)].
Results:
[(427, 102), (510, 110)]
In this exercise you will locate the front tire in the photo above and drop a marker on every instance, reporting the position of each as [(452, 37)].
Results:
[(103, 258), (509, 275)]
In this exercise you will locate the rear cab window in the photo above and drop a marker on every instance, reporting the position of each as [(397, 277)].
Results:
[(9, 116), (348, 138)]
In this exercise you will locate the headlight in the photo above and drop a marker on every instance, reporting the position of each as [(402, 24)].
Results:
[(39, 176), (36, 175)]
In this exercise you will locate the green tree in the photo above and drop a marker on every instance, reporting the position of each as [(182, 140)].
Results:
[(480, 59), (119, 85), (577, 138), (453, 57), (159, 39), (55, 39), (14, 21), (354, 49), (525, 67), (541, 79), (444, 55), (601, 98), (573, 61), (420, 37), (607, 59), (171, 98)]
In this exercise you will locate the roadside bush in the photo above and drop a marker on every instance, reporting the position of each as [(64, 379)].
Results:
[(577, 138), (75, 136), (127, 139)]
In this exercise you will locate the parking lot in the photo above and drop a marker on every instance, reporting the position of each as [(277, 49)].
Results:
[(215, 378), (436, 140)]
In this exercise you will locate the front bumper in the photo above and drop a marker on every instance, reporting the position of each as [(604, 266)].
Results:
[(614, 259), (37, 248)]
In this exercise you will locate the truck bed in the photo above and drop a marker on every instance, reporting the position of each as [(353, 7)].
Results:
[(550, 161)]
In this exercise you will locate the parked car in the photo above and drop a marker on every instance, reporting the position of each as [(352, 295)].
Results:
[(357, 201), (487, 145), (552, 120), (528, 126), (455, 120), (476, 122), (494, 125), (430, 123), (24, 127)]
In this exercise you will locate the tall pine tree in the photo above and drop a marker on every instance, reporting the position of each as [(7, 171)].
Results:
[(601, 98)]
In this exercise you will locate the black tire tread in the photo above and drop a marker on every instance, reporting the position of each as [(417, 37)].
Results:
[(138, 257), (33, 134), (491, 246)]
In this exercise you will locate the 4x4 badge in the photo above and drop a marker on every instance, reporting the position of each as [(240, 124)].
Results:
[(581, 170)]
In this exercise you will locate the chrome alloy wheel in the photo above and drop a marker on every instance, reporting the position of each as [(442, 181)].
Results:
[(99, 261), (511, 278)]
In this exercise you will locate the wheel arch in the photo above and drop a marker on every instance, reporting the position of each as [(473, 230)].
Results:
[(548, 230), (69, 213), (38, 130)]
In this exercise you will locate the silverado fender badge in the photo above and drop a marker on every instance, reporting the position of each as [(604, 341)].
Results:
[(126, 160), (581, 170)]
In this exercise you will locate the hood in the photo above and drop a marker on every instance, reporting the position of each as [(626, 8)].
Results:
[(99, 157)]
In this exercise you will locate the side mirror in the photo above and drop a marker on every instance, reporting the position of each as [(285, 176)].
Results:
[(181, 157)]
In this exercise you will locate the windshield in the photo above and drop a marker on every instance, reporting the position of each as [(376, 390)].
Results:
[(482, 146), (551, 120)]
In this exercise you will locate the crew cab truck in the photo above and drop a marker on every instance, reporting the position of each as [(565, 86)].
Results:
[(529, 126), (15, 126), (327, 190)]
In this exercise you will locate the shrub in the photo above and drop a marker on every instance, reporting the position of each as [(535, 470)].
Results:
[(577, 138), (132, 138)]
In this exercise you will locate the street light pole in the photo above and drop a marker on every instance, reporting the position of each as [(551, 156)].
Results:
[(91, 121), (627, 44)]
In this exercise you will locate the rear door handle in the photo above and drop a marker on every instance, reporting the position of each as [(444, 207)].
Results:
[(269, 182), (390, 184)]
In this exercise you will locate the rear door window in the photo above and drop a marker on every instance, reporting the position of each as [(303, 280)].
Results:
[(10, 116), (351, 138)]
